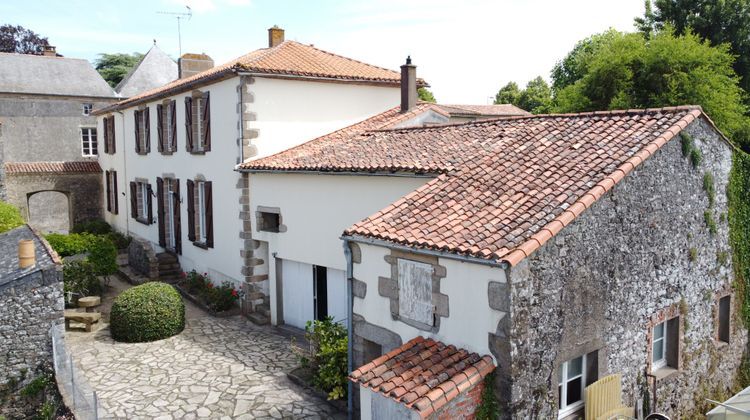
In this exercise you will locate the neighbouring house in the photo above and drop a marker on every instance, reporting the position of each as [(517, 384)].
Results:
[(169, 153), (31, 298), (154, 70), (48, 138), (566, 247)]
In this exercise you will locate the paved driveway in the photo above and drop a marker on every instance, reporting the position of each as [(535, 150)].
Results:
[(216, 368)]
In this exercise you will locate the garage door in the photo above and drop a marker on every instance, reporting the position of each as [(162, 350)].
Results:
[(297, 291), (337, 295)]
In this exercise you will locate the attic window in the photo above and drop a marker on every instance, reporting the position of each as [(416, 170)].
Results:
[(87, 109)]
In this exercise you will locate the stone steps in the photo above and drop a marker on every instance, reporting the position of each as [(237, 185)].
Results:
[(169, 267), (258, 318), (264, 309)]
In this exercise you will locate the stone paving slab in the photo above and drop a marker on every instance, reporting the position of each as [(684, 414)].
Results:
[(217, 368)]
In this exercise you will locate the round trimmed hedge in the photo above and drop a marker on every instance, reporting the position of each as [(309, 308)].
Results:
[(148, 312)]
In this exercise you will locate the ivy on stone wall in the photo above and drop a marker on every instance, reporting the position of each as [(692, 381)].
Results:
[(738, 196)]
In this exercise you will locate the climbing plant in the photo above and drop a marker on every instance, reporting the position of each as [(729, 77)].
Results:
[(738, 196)]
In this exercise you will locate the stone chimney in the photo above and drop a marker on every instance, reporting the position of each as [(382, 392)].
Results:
[(26, 253), (49, 51), (190, 64), (275, 36), (408, 85)]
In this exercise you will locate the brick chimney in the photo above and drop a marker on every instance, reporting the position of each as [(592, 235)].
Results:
[(49, 51), (190, 64), (275, 36), (408, 85)]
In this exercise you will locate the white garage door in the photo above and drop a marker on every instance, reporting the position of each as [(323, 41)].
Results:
[(337, 295), (297, 291)]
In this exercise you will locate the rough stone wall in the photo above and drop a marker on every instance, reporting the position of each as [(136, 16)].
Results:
[(142, 258), (84, 192), (30, 306), (464, 406), (602, 282)]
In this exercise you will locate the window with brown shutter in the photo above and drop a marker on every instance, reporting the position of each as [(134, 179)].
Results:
[(160, 127), (189, 123), (167, 126), (142, 131), (107, 178), (198, 122), (172, 114), (160, 212), (133, 200), (115, 198), (177, 221), (206, 123), (200, 213), (109, 134), (146, 116), (143, 201), (191, 209), (209, 212), (137, 127)]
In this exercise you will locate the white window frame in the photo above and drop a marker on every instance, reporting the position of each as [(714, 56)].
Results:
[(143, 192), (86, 109), (202, 212), (660, 363), (565, 409), (86, 142)]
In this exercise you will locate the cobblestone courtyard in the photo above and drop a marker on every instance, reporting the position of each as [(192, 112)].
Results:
[(216, 368)]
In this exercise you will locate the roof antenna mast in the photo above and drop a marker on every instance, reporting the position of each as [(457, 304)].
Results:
[(179, 15)]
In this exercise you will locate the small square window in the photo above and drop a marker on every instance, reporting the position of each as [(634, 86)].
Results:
[(269, 222), (665, 346), (724, 316), (87, 108)]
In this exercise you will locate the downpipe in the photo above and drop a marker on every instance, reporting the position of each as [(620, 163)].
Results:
[(349, 332)]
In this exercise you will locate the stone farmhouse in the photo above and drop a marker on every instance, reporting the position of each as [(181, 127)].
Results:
[(48, 138), (558, 249)]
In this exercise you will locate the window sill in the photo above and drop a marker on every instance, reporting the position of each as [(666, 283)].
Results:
[(201, 245), (198, 152), (572, 413), (167, 152), (142, 220), (664, 373)]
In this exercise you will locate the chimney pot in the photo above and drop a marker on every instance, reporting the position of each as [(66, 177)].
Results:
[(49, 51), (408, 85), (275, 36), (191, 64), (26, 253)]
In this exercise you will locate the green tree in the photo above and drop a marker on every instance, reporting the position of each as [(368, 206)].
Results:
[(426, 95), (622, 70), (114, 67), (17, 39), (10, 217), (508, 94), (536, 97), (717, 21)]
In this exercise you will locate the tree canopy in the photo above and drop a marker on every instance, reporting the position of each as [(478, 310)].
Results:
[(17, 39), (717, 21), (114, 67), (536, 97), (426, 95), (617, 70)]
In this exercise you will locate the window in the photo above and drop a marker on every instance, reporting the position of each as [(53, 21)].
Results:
[(88, 142), (109, 134), (142, 131), (87, 108), (111, 179), (140, 201), (167, 126), (724, 316), (665, 344), (269, 221), (573, 377), (198, 122), (415, 291), (200, 213), (320, 292)]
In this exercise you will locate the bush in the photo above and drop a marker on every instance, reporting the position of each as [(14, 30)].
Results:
[(121, 241), (103, 256), (10, 217), (218, 298), (79, 277), (329, 341), (148, 312), (95, 226), (73, 244)]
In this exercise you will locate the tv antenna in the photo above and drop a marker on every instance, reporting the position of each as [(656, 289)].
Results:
[(179, 15)]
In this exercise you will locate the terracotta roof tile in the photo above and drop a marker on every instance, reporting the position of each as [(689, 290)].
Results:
[(52, 167), (290, 58), (423, 374)]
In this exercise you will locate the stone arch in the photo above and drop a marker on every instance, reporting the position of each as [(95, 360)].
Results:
[(49, 210)]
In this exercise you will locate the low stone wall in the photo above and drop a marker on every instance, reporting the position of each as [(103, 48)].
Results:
[(142, 258)]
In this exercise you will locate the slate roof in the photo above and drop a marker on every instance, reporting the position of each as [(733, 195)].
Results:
[(45, 75), (52, 167), (423, 374), (9, 270), (290, 58), (534, 177), (344, 151), (154, 70)]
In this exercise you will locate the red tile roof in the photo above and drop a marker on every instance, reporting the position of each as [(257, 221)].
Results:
[(497, 110), (536, 176), (423, 374), (289, 58), (52, 167)]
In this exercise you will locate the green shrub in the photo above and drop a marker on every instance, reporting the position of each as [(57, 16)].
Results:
[(95, 226), (148, 312), (329, 358), (218, 298), (79, 277), (10, 217), (489, 406), (696, 157), (73, 244), (121, 241), (103, 256), (708, 187), (710, 222)]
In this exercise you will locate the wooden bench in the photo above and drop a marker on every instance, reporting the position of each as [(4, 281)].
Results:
[(87, 318)]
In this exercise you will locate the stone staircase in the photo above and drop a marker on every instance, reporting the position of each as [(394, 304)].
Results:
[(169, 267), (261, 315)]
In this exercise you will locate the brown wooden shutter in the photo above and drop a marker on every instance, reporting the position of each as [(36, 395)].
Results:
[(191, 209), (160, 212), (108, 190), (133, 200), (206, 115), (173, 126), (116, 197), (160, 127), (177, 221), (209, 215), (105, 126), (189, 123), (146, 116), (149, 204), (112, 147), (137, 118)]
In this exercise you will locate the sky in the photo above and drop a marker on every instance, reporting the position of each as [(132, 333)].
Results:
[(466, 50)]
